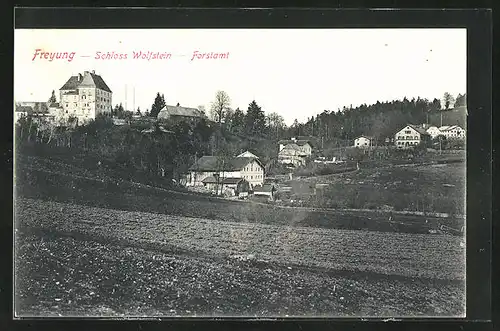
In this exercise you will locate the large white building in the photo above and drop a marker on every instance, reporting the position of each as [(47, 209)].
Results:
[(452, 132), (449, 131), (248, 168), (411, 136), (83, 96)]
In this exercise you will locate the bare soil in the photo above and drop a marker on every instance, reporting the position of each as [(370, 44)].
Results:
[(74, 260)]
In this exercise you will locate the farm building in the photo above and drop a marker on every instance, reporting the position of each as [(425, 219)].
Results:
[(37, 110), (363, 142), (433, 131), (267, 190), (248, 168), (175, 113), (411, 136), (230, 186), (294, 151)]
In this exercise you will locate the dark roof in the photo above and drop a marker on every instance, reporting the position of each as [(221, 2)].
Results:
[(229, 180), (232, 180), (71, 84), (24, 109), (210, 163), (89, 79), (180, 111), (418, 129), (299, 142)]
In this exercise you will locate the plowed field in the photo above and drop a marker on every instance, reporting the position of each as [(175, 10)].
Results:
[(81, 260)]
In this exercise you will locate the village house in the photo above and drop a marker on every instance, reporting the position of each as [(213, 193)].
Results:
[(266, 190), (363, 142), (248, 168), (230, 186), (176, 113), (433, 131), (294, 151), (411, 136), (84, 96), (37, 111), (452, 132)]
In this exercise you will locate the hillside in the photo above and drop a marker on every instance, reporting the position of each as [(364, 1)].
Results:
[(456, 116)]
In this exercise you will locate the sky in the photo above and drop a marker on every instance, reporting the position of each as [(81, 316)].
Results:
[(296, 73)]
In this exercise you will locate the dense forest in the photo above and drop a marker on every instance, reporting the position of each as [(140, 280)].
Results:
[(145, 147)]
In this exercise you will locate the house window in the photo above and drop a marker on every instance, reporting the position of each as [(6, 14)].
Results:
[(251, 177), (83, 96), (407, 131)]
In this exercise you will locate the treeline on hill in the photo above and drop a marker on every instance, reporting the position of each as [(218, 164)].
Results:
[(333, 129), (380, 120), (136, 151), (146, 147)]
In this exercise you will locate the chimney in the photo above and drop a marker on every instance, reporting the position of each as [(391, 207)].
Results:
[(93, 71), (178, 104), (79, 77)]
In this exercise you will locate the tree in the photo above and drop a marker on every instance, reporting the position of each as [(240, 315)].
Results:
[(255, 120), (295, 127), (218, 107), (461, 100), (228, 118), (448, 100), (238, 121), (52, 98), (119, 111), (158, 104), (276, 123), (202, 109)]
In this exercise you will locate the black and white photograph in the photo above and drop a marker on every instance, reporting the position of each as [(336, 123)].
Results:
[(252, 173)]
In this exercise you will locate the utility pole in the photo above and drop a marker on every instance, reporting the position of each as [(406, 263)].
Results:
[(126, 97), (195, 167), (133, 102), (222, 184)]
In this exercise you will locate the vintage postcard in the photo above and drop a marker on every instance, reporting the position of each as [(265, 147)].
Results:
[(240, 173)]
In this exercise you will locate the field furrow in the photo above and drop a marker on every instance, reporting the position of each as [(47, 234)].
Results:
[(402, 254)]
